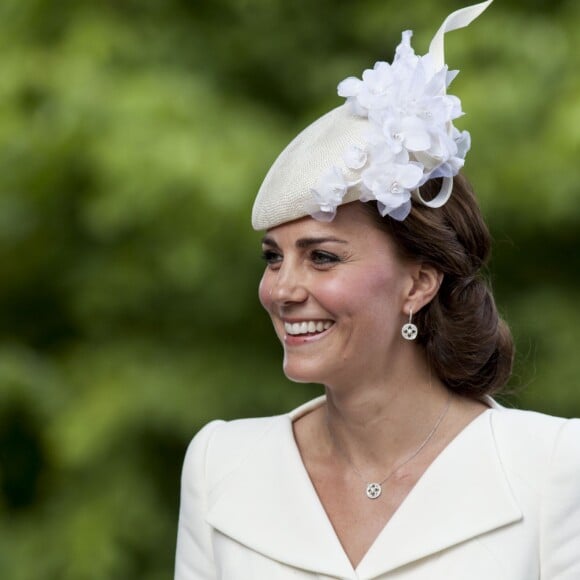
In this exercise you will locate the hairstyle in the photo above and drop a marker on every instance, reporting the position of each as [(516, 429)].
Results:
[(468, 345)]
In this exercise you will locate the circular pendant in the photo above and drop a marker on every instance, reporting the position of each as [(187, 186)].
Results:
[(409, 331), (374, 490)]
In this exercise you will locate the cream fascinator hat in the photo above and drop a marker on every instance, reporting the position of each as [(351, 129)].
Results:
[(394, 132)]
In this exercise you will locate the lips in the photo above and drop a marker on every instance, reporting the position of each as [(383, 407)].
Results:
[(305, 327)]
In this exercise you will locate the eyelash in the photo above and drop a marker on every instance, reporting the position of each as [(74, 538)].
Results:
[(324, 258), (317, 257), (271, 257)]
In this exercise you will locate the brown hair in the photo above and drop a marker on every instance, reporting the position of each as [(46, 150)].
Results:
[(469, 346)]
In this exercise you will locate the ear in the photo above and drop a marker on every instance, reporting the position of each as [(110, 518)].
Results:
[(426, 281)]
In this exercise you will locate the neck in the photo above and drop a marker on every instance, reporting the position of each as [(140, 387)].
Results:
[(379, 423)]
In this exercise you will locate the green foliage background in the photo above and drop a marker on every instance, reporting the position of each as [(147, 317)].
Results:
[(133, 135)]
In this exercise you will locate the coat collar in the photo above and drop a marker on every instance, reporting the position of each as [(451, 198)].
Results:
[(269, 504)]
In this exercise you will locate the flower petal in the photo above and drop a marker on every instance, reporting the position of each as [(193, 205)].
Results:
[(400, 213), (409, 175), (355, 157), (349, 87)]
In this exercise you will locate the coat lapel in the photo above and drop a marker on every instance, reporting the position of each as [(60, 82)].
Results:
[(464, 493), (269, 504)]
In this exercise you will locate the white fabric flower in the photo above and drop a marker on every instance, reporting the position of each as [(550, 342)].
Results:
[(411, 137), (372, 92), (329, 192), (391, 185), (355, 157), (408, 132)]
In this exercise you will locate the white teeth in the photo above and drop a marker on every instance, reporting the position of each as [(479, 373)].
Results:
[(307, 326)]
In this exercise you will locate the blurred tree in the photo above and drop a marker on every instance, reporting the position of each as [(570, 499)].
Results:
[(133, 136)]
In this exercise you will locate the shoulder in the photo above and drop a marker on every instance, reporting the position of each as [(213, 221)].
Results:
[(542, 456), (220, 446), (536, 432), (527, 428), (528, 440), (212, 454)]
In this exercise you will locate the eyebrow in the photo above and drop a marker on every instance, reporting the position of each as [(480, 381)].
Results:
[(305, 242)]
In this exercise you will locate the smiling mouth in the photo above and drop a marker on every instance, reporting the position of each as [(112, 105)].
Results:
[(307, 327)]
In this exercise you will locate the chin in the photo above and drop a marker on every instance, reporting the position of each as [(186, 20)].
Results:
[(301, 372)]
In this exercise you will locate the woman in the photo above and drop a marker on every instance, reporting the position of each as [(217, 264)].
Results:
[(406, 468)]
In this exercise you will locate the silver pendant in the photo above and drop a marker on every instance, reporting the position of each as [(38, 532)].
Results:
[(374, 490), (409, 331)]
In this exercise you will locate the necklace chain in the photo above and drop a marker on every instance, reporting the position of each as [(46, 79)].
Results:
[(374, 489)]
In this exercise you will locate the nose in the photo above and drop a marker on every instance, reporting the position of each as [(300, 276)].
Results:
[(288, 286)]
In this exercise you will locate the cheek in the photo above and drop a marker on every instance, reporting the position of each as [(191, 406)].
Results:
[(383, 285), (265, 291), (374, 295), (370, 285)]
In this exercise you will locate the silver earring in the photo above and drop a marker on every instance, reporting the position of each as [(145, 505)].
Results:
[(409, 330)]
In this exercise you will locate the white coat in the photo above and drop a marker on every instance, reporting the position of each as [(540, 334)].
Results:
[(501, 502)]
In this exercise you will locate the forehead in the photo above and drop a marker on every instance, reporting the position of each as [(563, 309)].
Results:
[(351, 223)]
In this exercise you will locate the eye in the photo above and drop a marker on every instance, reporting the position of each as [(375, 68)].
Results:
[(271, 257), (322, 258)]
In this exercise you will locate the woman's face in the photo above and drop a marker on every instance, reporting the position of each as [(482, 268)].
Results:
[(335, 292)]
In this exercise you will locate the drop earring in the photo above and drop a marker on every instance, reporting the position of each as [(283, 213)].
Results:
[(409, 330)]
